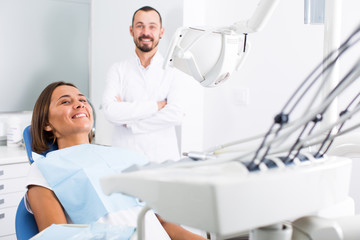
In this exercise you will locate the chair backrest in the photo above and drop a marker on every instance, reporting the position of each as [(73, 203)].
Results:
[(25, 224)]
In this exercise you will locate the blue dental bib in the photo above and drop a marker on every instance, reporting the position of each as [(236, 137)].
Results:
[(74, 172)]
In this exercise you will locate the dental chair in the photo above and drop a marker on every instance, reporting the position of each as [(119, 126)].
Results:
[(25, 224)]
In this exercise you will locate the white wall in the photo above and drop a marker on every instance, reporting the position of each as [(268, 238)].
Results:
[(351, 20), (41, 41)]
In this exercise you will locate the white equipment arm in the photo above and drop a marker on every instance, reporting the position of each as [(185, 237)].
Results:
[(263, 12), (189, 48)]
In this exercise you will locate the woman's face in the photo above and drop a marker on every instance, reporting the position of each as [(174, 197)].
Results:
[(69, 113)]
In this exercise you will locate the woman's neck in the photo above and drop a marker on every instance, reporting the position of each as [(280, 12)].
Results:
[(72, 140)]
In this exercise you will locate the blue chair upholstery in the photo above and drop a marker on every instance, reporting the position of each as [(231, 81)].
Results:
[(27, 141), (25, 224)]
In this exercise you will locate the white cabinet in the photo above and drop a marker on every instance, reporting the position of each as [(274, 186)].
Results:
[(13, 172)]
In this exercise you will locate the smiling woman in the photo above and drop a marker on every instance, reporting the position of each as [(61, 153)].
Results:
[(70, 117), (52, 113), (63, 187)]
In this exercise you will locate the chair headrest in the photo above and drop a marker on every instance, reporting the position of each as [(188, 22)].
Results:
[(27, 141)]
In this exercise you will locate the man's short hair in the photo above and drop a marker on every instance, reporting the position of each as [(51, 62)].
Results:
[(146, 9)]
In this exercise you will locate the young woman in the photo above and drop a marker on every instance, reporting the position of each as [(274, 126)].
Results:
[(63, 186)]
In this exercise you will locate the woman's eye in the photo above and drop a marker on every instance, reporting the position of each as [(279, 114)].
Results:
[(64, 102)]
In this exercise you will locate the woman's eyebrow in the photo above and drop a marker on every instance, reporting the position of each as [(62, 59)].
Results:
[(66, 95), (63, 96)]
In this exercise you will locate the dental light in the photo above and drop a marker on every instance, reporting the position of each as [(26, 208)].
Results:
[(228, 51), (212, 55)]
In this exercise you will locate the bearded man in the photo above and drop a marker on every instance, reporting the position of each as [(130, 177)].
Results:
[(142, 99)]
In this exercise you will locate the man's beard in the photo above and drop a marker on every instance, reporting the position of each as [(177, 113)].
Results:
[(145, 47)]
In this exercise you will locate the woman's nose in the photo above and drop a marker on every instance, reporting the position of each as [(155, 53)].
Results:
[(79, 105)]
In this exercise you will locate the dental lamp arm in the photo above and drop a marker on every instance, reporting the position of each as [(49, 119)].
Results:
[(232, 46), (262, 13)]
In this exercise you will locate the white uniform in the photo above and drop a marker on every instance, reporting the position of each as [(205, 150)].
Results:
[(138, 123)]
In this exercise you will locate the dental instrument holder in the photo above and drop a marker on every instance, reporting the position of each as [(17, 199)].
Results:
[(228, 199)]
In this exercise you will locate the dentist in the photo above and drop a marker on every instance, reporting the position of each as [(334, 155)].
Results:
[(142, 99)]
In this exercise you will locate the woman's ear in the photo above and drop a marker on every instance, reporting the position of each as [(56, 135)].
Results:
[(48, 128)]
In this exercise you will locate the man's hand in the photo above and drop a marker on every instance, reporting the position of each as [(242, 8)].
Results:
[(161, 104)]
